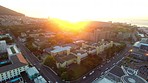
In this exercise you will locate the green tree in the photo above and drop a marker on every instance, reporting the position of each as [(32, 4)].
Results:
[(50, 61), (64, 76), (30, 39)]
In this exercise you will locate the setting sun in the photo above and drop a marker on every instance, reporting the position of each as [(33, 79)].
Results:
[(70, 24)]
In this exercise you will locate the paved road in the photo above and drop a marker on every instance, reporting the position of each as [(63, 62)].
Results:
[(107, 66), (44, 71)]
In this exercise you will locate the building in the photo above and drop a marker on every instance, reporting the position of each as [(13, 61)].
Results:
[(65, 60), (58, 50), (40, 79), (32, 73), (65, 56), (13, 65), (12, 50), (141, 46), (121, 75), (5, 36), (18, 65), (3, 46), (99, 47)]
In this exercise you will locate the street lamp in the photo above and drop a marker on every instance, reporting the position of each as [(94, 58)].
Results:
[(131, 50)]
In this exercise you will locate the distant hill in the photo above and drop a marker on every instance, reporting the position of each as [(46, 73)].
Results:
[(6, 11)]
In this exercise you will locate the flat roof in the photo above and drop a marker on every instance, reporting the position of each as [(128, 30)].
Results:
[(10, 51), (59, 49), (40, 79), (63, 58), (103, 80), (31, 71), (138, 44), (17, 61)]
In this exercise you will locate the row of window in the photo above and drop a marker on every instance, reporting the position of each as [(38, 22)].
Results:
[(12, 74)]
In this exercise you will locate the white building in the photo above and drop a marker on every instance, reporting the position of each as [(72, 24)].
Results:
[(12, 50), (5, 35), (40, 79), (3, 46), (18, 65)]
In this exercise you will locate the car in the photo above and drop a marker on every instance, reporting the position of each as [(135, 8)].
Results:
[(91, 72), (101, 73), (101, 65), (84, 77), (106, 69)]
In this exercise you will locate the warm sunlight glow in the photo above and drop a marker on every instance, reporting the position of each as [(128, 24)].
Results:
[(77, 10), (70, 25)]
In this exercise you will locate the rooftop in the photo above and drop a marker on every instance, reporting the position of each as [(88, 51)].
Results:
[(17, 61), (31, 71), (59, 49), (12, 49), (103, 80), (40, 79), (63, 58)]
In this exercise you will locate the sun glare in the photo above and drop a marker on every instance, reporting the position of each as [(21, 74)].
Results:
[(72, 25)]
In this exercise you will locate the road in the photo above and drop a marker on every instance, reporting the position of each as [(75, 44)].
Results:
[(44, 71), (101, 70)]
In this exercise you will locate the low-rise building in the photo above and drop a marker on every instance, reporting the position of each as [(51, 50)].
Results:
[(32, 73), (59, 50), (13, 65), (65, 56), (100, 46), (18, 65), (65, 60), (40, 79), (12, 50)]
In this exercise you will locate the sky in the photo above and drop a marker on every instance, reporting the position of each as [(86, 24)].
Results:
[(74, 10)]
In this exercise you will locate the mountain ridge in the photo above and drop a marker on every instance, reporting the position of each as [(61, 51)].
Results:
[(7, 11)]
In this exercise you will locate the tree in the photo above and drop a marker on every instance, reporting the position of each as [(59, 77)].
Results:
[(62, 69), (30, 39), (50, 61), (64, 76)]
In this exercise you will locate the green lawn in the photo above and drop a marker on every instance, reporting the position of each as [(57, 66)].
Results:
[(79, 71)]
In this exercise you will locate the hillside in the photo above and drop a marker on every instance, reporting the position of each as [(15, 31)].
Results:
[(6, 11)]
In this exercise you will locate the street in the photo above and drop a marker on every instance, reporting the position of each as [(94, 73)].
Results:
[(44, 71)]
